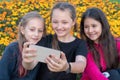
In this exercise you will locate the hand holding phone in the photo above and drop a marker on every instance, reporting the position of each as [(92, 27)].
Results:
[(43, 52)]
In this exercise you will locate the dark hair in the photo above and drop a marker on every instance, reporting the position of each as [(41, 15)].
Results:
[(21, 38), (106, 39), (63, 6)]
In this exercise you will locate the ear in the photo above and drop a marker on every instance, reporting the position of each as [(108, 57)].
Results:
[(74, 22), (22, 30)]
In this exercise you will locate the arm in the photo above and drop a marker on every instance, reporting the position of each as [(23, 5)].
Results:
[(92, 71), (8, 63), (79, 65), (80, 61), (115, 73), (61, 64), (28, 55)]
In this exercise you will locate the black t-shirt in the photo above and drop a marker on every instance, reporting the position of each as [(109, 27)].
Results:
[(71, 50)]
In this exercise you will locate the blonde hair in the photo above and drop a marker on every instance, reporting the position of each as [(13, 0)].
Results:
[(21, 38)]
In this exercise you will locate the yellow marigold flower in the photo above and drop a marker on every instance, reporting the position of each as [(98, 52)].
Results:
[(13, 23), (1, 25)]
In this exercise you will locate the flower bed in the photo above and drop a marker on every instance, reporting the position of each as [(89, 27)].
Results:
[(10, 12)]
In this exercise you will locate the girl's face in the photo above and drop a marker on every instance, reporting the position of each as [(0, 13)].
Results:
[(33, 31), (62, 22), (92, 29)]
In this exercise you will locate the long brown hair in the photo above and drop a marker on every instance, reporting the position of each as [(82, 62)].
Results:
[(106, 40), (21, 38), (63, 6)]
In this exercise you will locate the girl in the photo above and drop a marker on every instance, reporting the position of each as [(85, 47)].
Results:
[(72, 60), (31, 29), (104, 49)]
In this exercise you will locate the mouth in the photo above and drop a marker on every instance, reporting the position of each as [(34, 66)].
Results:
[(59, 31), (35, 39), (92, 35)]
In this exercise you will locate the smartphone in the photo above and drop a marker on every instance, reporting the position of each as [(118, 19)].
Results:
[(43, 52)]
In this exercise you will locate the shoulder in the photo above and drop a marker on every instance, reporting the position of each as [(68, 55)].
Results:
[(10, 52), (45, 41), (12, 45), (47, 37), (12, 48), (81, 47), (80, 41), (9, 59)]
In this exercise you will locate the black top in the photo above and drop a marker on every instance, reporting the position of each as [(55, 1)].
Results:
[(71, 50), (9, 65)]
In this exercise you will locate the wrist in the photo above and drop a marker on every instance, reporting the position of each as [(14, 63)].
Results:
[(68, 70)]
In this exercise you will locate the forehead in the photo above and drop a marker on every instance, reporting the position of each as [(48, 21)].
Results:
[(58, 13), (35, 22), (90, 20)]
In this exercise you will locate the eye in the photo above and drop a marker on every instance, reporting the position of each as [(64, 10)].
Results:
[(55, 22), (64, 22), (32, 29), (85, 26), (40, 30), (94, 25)]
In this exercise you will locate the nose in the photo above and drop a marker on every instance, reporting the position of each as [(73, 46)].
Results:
[(59, 26), (90, 29), (36, 33)]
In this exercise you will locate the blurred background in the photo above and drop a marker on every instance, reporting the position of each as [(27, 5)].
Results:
[(12, 10)]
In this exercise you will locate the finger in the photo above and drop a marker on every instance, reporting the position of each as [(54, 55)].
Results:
[(28, 60), (52, 63), (50, 66), (63, 57), (29, 54), (56, 59), (52, 69), (29, 50), (26, 44)]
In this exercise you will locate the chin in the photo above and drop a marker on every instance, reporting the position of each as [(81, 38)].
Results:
[(93, 39), (34, 42), (60, 35)]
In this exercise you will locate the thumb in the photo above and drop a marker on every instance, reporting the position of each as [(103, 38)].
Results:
[(62, 56)]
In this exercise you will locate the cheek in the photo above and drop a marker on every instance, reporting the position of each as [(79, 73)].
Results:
[(27, 32), (85, 31), (53, 26), (41, 34), (27, 35), (99, 30), (68, 26)]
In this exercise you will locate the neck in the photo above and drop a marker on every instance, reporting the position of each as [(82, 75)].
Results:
[(69, 38)]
